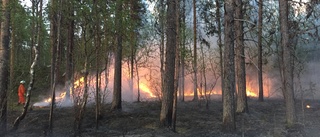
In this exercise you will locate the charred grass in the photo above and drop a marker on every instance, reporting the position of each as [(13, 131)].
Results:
[(265, 119)]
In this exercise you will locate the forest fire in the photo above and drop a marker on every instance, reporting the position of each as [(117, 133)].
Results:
[(144, 88), (251, 94)]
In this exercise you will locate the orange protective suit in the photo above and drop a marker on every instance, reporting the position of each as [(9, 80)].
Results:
[(21, 92)]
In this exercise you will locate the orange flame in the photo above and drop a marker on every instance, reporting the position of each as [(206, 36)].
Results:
[(144, 88), (251, 94)]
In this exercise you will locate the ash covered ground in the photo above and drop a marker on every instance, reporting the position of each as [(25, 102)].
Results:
[(265, 119)]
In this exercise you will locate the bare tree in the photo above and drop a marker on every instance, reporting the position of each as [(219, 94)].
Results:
[(287, 62), (228, 121)]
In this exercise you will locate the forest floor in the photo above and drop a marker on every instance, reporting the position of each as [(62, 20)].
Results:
[(265, 119)]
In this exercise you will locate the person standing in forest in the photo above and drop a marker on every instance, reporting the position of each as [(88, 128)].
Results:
[(21, 92)]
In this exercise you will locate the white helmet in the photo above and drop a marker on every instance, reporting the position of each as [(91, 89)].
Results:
[(22, 81)]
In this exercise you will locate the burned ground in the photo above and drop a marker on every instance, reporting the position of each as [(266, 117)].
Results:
[(193, 120)]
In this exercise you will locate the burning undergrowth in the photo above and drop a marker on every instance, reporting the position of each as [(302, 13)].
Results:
[(67, 96)]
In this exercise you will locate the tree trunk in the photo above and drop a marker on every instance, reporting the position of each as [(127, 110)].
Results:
[(228, 123), (56, 68), (53, 37), (116, 102), (287, 72), (162, 37), (138, 82), (260, 52), (218, 15), (167, 97), (182, 51), (69, 55), (177, 66), (195, 84), (4, 65), (97, 45), (13, 45), (242, 105)]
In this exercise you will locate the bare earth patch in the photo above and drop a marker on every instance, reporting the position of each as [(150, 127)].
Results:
[(265, 119)]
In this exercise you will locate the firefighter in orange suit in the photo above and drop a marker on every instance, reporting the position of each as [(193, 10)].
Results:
[(21, 92)]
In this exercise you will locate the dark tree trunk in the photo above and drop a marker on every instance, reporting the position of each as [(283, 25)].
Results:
[(116, 102), (260, 52), (228, 122), (195, 84), (69, 54), (287, 71), (4, 66), (167, 97), (242, 105), (182, 51), (97, 40), (162, 37)]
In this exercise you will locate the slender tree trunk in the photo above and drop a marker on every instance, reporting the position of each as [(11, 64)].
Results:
[(85, 95), (13, 46), (69, 56), (4, 65), (287, 71), (220, 43), (116, 102), (182, 50), (162, 36), (242, 105), (53, 37), (56, 60), (131, 61), (228, 122), (260, 51), (195, 86), (177, 66), (167, 97), (97, 45)]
